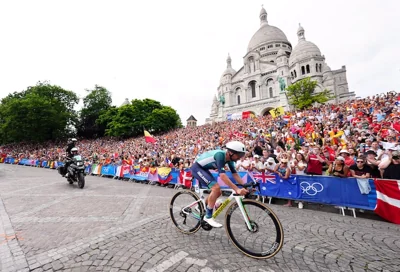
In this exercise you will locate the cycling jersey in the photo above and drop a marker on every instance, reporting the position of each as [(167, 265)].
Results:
[(215, 160), (211, 160)]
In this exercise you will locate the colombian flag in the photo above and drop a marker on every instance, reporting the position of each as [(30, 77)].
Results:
[(148, 137), (164, 175)]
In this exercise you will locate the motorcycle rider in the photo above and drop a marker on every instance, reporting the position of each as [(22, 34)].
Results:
[(71, 145), (70, 155), (74, 152)]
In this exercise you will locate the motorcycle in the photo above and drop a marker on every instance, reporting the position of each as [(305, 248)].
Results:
[(76, 171)]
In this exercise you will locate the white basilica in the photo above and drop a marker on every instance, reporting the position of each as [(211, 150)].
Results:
[(270, 65)]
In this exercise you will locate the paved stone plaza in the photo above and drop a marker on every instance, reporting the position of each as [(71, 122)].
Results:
[(111, 225)]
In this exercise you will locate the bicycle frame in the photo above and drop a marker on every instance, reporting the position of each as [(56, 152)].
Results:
[(237, 198)]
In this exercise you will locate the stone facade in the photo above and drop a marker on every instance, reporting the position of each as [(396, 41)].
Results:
[(270, 65), (191, 121)]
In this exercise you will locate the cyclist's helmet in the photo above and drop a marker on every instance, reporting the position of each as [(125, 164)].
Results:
[(236, 147), (74, 140), (74, 151)]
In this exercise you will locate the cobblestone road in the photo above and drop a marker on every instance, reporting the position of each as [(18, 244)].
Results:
[(48, 225)]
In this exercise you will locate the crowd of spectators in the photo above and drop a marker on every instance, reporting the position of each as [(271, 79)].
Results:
[(358, 138)]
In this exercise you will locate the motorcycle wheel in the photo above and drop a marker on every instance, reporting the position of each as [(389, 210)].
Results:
[(81, 180)]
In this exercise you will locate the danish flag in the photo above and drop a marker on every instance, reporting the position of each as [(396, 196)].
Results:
[(388, 199), (263, 178)]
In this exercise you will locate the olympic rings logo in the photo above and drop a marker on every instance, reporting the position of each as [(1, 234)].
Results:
[(311, 189)]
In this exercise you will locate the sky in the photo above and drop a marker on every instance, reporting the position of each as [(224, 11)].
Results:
[(175, 51)]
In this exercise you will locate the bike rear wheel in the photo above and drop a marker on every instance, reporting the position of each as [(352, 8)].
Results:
[(266, 238), (186, 210)]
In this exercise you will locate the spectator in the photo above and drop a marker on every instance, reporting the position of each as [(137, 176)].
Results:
[(315, 161), (360, 169), (338, 168), (391, 167)]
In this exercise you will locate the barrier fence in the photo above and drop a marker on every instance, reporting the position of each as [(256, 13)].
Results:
[(344, 192)]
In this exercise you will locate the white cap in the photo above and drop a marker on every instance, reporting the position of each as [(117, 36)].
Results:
[(256, 156)]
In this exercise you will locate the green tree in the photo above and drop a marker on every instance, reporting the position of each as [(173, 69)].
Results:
[(39, 113), (122, 123), (95, 103), (131, 119), (161, 120), (302, 94)]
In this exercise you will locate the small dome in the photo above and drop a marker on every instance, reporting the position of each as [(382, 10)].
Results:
[(281, 53), (229, 70), (300, 29), (304, 49), (326, 68), (263, 11), (126, 102)]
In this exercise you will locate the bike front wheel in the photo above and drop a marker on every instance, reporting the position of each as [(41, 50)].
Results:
[(186, 211), (265, 239)]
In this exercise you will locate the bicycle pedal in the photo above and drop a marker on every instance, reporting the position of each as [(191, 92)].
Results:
[(205, 226)]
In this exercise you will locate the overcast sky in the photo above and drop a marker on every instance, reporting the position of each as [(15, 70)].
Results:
[(175, 51)]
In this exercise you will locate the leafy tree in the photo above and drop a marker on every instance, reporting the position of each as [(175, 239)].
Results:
[(302, 94), (122, 124), (162, 120), (39, 113), (95, 103), (130, 120)]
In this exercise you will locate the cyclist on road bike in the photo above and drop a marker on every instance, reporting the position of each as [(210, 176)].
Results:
[(216, 160)]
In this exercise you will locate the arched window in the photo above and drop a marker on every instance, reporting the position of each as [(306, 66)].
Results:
[(316, 67), (303, 71), (295, 74), (271, 93), (238, 99), (291, 73), (320, 67), (308, 69), (253, 88)]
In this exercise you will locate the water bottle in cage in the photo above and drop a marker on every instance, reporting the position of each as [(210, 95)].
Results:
[(196, 188)]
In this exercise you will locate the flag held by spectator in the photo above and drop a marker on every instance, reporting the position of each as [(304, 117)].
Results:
[(164, 175), (277, 111), (388, 199), (148, 137)]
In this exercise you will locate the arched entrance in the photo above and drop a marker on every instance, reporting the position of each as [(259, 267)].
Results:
[(265, 111)]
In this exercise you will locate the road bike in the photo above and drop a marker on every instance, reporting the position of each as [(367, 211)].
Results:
[(251, 225)]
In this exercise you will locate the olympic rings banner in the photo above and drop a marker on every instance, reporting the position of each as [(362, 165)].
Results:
[(348, 192)]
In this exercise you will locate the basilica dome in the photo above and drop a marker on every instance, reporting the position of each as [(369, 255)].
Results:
[(304, 49), (266, 34)]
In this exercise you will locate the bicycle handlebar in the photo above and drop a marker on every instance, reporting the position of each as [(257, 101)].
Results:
[(250, 184)]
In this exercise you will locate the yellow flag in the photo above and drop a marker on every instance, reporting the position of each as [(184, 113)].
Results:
[(277, 111)]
